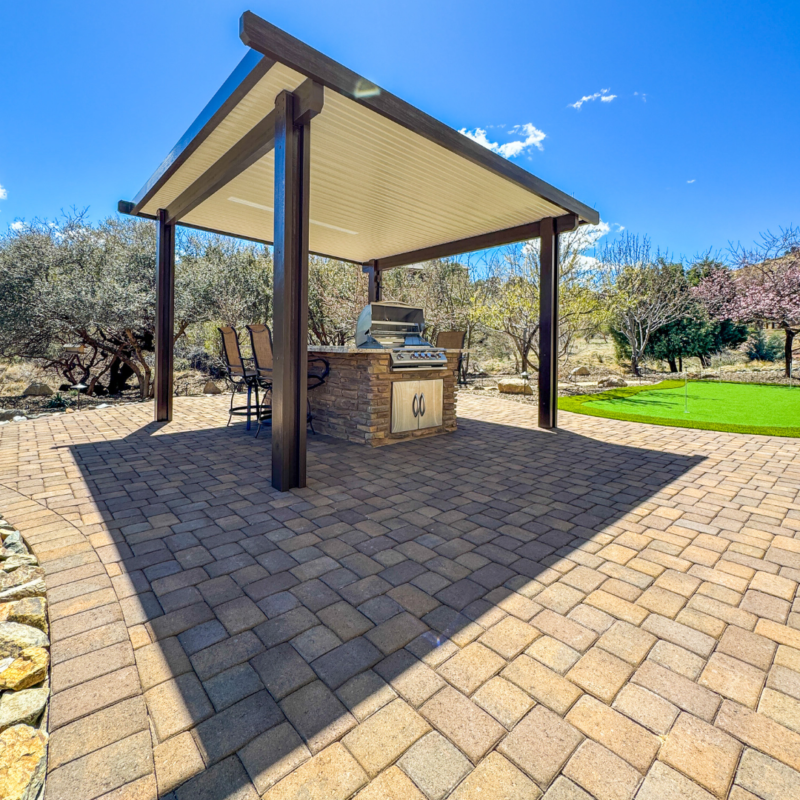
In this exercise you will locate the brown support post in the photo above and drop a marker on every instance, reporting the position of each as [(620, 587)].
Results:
[(369, 270), (290, 319), (165, 317), (548, 324), (374, 277)]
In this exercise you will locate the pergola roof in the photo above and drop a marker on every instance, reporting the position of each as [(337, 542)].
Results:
[(387, 180)]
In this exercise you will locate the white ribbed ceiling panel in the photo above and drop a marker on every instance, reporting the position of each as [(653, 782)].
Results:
[(377, 188)]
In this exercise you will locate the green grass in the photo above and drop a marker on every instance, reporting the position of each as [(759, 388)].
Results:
[(714, 406)]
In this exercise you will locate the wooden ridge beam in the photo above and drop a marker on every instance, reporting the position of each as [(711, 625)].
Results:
[(519, 233), (252, 147)]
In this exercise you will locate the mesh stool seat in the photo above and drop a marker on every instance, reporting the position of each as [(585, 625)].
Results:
[(261, 340), (261, 343), (238, 374)]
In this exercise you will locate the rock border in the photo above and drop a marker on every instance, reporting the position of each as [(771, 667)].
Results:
[(24, 669)]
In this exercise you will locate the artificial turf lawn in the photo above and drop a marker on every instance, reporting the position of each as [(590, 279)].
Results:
[(713, 405)]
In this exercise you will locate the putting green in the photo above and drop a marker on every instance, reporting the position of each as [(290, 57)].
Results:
[(712, 405)]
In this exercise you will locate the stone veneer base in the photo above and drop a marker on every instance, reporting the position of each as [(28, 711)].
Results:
[(355, 403)]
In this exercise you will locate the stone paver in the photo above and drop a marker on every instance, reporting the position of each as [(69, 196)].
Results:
[(435, 765), (703, 753), (607, 612)]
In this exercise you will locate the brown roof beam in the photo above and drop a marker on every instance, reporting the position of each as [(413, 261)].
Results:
[(252, 147), (247, 74), (279, 45), (126, 207), (519, 233)]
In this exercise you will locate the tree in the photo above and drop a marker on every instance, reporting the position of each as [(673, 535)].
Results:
[(642, 292), (692, 336), (444, 289), (507, 301), (764, 287), (337, 291), (71, 283)]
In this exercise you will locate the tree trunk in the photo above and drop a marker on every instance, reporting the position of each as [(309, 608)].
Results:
[(680, 363), (118, 376), (635, 364), (787, 351), (705, 361), (673, 367)]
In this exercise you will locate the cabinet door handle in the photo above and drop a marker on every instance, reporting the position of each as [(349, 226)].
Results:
[(422, 405), (414, 406)]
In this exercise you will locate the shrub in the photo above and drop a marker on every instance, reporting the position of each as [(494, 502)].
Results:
[(761, 348)]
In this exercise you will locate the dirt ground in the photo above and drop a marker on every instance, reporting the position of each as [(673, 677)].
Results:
[(488, 365)]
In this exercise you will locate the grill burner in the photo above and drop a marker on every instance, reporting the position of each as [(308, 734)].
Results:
[(398, 327)]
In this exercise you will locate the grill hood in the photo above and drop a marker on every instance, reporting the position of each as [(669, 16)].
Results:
[(386, 325)]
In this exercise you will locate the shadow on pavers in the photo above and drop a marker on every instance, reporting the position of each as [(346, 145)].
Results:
[(274, 618)]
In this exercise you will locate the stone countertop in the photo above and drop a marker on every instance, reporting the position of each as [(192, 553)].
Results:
[(351, 348)]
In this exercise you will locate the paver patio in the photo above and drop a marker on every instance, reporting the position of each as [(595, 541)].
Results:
[(606, 611)]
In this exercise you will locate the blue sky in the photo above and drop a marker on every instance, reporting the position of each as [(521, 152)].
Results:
[(698, 147)]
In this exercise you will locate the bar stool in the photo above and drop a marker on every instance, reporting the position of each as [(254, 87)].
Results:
[(261, 341), (238, 374)]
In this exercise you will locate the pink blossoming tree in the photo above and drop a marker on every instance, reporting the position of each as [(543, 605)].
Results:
[(765, 286)]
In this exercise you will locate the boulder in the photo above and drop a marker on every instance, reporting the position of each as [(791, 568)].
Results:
[(23, 751), (21, 708), (14, 638), (13, 561), (211, 388), (24, 671), (514, 386), (14, 544), (37, 390), (28, 611), (19, 576), (612, 381), (7, 414), (34, 588), (580, 372)]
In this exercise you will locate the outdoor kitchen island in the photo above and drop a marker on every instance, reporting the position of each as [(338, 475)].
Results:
[(364, 401)]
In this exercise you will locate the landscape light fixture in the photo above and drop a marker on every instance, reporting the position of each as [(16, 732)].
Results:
[(79, 387)]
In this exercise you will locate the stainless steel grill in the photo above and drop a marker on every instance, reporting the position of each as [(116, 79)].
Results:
[(398, 328)]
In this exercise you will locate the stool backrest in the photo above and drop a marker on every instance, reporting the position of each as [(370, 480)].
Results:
[(451, 340), (230, 350), (261, 339)]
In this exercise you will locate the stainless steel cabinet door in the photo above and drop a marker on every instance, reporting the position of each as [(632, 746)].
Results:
[(405, 406), (431, 399)]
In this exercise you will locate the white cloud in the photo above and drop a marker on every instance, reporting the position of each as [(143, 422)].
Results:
[(692, 180), (603, 96), (580, 242), (532, 137), (3, 192), (17, 226), (643, 96)]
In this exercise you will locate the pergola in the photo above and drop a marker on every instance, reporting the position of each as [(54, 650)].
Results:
[(380, 183)]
